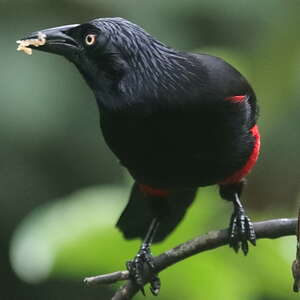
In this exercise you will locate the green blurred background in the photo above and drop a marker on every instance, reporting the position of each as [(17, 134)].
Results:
[(62, 190)]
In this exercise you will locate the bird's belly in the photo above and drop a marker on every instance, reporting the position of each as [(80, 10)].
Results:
[(174, 155), (176, 171)]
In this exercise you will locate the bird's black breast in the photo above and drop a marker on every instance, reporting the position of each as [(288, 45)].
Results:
[(195, 137), (177, 149)]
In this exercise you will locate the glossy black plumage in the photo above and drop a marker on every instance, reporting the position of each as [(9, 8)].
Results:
[(163, 112)]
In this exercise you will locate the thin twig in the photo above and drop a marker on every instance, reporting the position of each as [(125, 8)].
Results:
[(214, 239), (107, 278)]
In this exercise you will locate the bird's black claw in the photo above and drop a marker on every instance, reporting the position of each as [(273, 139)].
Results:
[(136, 270), (241, 231), (155, 285)]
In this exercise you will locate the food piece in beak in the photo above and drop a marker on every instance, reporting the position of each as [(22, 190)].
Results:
[(23, 44)]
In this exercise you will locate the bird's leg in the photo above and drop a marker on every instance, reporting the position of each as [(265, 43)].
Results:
[(136, 266), (241, 228)]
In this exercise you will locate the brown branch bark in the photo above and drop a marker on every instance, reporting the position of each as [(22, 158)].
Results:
[(214, 239)]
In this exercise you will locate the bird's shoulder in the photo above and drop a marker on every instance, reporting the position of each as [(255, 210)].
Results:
[(222, 76)]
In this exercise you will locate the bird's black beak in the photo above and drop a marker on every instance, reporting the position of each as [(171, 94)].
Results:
[(57, 40)]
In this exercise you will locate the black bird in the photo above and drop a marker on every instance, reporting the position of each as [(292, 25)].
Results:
[(177, 121)]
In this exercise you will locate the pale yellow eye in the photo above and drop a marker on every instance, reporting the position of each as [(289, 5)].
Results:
[(90, 39)]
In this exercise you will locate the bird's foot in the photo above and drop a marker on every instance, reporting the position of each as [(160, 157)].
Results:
[(136, 270), (241, 231)]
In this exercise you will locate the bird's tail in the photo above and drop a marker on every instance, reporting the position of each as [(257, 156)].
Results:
[(144, 205)]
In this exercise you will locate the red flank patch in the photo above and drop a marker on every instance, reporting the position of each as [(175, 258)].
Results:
[(236, 98), (240, 174), (153, 191)]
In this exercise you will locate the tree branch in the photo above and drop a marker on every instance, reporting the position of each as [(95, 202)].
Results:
[(107, 278), (214, 239)]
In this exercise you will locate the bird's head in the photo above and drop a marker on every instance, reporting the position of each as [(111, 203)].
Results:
[(117, 59), (114, 56)]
